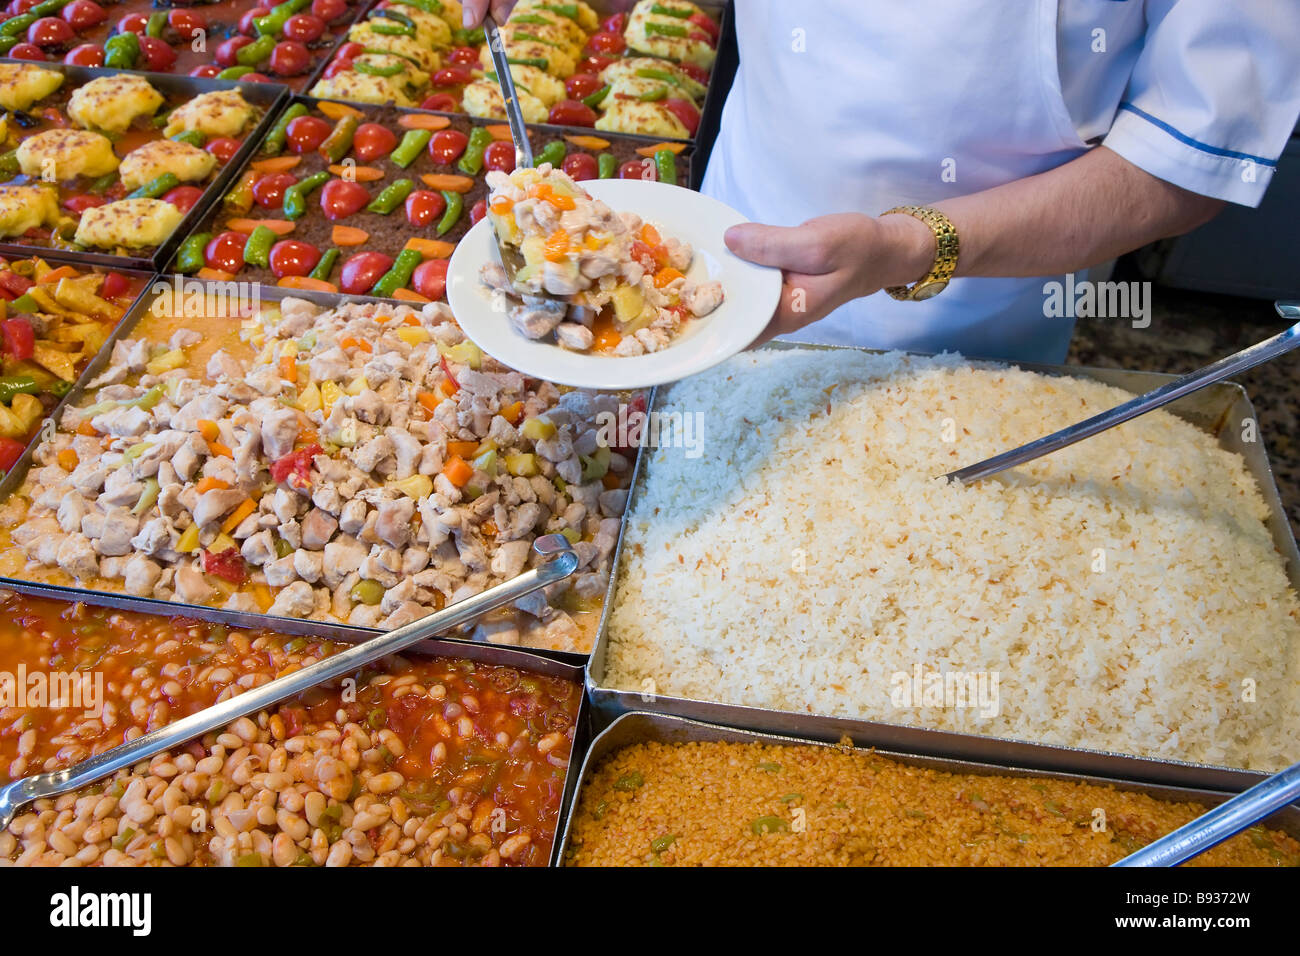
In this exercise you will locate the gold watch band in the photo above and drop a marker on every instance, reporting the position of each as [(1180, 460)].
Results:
[(945, 256)]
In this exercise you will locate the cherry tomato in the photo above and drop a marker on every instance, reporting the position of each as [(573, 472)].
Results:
[(225, 252), (424, 207), (292, 257), (440, 101), (10, 451), (702, 21), (26, 51), (685, 111), (246, 25), (340, 64), (306, 133), (227, 50), (340, 198), (50, 31), (290, 58), (447, 145), (268, 191), (87, 54), (351, 49), (372, 141), (697, 73), (638, 169), (572, 113), (451, 76), (607, 44), (255, 78), (463, 56), (183, 198), (594, 64), (477, 211), (156, 55), (304, 28), (580, 166), (187, 22), (207, 69), (133, 23), (223, 147), (83, 201), (362, 271), (500, 156), (329, 10), (19, 7), (581, 85), (115, 285), (614, 24), (82, 14), (430, 278)]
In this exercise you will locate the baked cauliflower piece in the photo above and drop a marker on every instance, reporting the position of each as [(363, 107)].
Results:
[(113, 103), (148, 162), (27, 207), (216, 114), (22, 84), (129, 223), (57, 155)]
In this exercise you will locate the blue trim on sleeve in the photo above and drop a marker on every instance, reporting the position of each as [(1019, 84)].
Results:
[(1203, 147)]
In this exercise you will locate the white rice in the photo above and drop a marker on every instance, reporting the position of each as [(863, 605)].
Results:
[(1125, 591)]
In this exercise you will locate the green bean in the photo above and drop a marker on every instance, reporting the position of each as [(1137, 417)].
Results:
[(394, 15), (254, 53), (393, 195), (339, 141), (607, 165), (553, 153), (653, 96), (295, 197), (121, 51), (257, 250), (471, 161), (17, 25), (681, 13), (538, 61), (191, 136), (8, 43), (410, 147), (392, 29), (399, 275), (666, 166), (455, 206), (156, 187), (326, 265), (102, 184), (189, 259), (273, 145), (595, 99), (653, 29)]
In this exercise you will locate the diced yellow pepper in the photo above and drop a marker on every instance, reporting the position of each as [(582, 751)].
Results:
[(310, 399), (416, 486), (413, 334), (165, 362), (189, 542)]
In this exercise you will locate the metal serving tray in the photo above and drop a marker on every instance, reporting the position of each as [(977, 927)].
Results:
[(345, 633), (1219, 410), (640, 727), (268, 97)]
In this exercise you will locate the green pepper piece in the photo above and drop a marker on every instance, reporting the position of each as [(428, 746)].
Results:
[(121, 51), (471, 161), (393, 195), (595, 99), (553, 153), (666, 166), (653, 29), (191, 136), (392, 30), (681, 13), (100, 185), (325, 267), (339, 141), (25, 303), (653, 96), (525, 35), (272, 24), (295, 197), (370, 69), (399, 275), (234, 72), (15, 26), (189, 258), (273, 145), (17, 385), (607, 165), (156, 187), (569, 10), (538, 61), (257, 250), (390, 14), (428, 6), (240, 199), (413, 142), (8, 43), (455, 206), (531, 18), (254, 53), (154, 27), (661, 75), (9, 163)]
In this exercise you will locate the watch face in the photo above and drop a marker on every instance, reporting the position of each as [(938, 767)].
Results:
[(928, 290)]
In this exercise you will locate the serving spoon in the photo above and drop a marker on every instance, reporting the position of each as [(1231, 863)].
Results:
[(560, 560), (1258, 354)]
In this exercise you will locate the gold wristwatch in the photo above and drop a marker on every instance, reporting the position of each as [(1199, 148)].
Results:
[(945, 256)]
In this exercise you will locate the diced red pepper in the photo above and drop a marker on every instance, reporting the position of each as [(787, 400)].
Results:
[(228, 565), (20, 339), (446, 370), (10, 452), (12, 285), (295, 467), (115, 284)]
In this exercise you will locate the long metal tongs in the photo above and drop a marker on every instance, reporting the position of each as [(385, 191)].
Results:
[(561, 561), (1265, 351)]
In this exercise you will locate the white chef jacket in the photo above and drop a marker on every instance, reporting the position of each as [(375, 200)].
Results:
[(861, 105)]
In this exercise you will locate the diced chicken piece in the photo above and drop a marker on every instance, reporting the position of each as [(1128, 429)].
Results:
[(279, 429), (120, 527), (215, 504), (330, 365), (308, 565), (414, 560), (496, 632), (368, 455), (265, 380), (71, 510), (393, 525), (353, 517), (295, 600), (77, 557), (153, 537), (204, 407), (703, 298), (224, 367), (342, 557), (284, 504), (613, 502), (408, 612), (280, 572), (141, 576), (406, 449), (317, 529), (573, 336), (510, 558), (191, 586), (258, 548), (128, 422), (536, 317)]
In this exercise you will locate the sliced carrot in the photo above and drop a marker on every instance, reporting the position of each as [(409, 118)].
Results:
[(288, 368), (666, 275), (217, 275), (365, 346), (246, 508), (218, 450), (307, 283), (649, 151), (406, 295), (348, 236), (54, 275), (499, 131), (411, 320), (348, 342), (360, 174), (67, 459), (462, 449), (336, 111), (556, 248), (448, 181), (650, 235), (281, 227), (502, 205), (423, 121), (457, 472), (448, 387), (431, 248), (208, 429), (589, 142), (275, 164), (85, 428), (209, 483), (429, 400)]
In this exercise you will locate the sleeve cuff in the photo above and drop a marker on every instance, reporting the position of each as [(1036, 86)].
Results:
[(1165, 152)]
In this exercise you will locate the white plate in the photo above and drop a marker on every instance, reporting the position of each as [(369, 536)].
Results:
[(750, 295)]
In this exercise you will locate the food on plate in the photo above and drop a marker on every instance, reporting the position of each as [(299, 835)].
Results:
[(22, 84), (596, 280), (432, 761), (366, 464), (56, 319), (146, 163), (128, 224), (112, 103), (219, 113), (1090, 583), (805, 805), (673, 29), (56, 155)]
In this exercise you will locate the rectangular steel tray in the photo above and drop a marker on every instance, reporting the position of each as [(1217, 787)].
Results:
[(345, 633), (1219, 410), (266, 96), (640, 727)]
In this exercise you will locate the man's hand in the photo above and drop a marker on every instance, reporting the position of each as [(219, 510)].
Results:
[(473, 11), (832, 259)]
